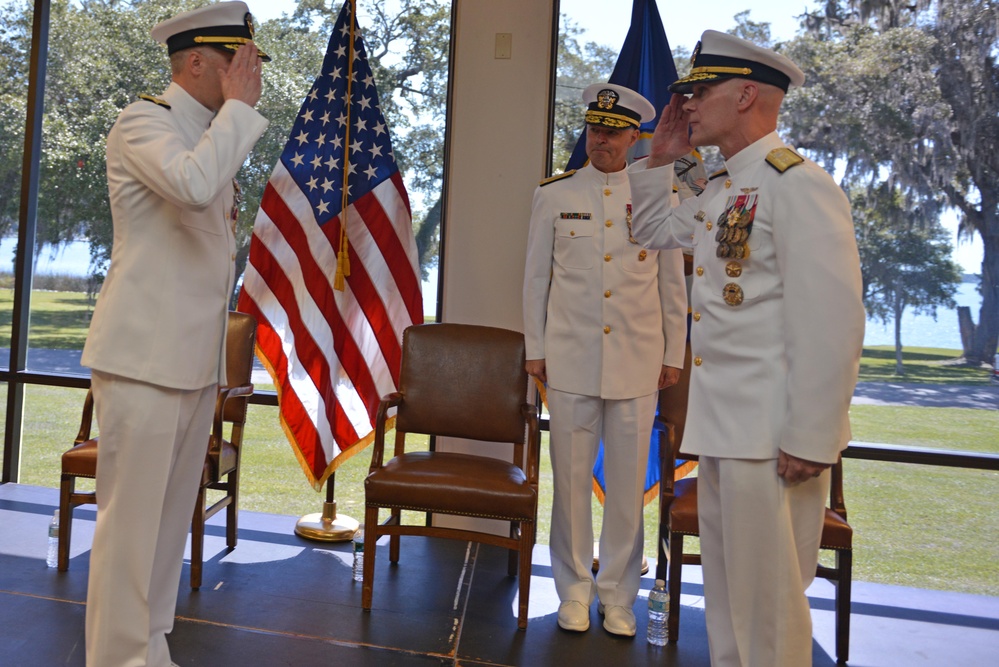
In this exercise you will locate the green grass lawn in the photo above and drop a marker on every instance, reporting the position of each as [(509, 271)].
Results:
[(921, 526)]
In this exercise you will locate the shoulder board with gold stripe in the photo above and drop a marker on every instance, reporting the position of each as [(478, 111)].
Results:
[(783, 159), (155, 100), (557, 177), (720, 172)]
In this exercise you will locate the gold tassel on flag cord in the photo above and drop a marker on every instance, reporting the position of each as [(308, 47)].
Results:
[(343, 255)]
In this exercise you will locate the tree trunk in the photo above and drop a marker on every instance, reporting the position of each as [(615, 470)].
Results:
[(966, 326), (983, 347), (899, 370)]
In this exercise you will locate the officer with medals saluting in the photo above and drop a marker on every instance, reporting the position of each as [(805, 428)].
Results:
[(605, 328), (777, 332)]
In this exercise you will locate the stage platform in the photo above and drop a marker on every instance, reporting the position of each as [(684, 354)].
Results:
[(280, 600)]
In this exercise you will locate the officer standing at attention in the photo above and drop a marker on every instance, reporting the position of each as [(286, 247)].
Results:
[(156, 344), (777, 333), (605, 322)]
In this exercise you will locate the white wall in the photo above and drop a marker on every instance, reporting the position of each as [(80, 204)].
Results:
[(498, 147), (497, 141)]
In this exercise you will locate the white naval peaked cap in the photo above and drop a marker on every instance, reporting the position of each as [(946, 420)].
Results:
[(719, 56), (611, 105), (224, 25)]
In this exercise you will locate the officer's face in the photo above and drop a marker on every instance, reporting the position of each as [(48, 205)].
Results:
[(713, 109), (216, 60), (607, 147)]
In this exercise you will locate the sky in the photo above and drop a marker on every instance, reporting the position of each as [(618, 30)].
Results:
[(684, 22)]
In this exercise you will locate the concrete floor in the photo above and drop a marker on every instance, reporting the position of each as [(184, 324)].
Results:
[(280, 600)]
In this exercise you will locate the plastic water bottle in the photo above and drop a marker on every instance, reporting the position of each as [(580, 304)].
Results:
[(52, 557), (658, 612), (359, 554)]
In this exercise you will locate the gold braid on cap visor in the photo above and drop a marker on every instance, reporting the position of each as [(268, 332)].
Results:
[(610, 120)]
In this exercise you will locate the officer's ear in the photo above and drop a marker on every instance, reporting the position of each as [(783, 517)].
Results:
[(748, 94)]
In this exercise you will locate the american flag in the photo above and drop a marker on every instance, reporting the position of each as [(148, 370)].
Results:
[(329, 331)]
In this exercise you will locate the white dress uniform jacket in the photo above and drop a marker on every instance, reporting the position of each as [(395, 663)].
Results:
[(161, 314), (776, 337), (605, 313)]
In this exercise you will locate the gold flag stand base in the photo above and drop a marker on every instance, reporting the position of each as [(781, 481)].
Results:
[(328, 526), (596, 559)]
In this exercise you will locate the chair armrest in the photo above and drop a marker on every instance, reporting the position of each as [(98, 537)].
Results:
[(225, 393), (388, 402), (667, 458), (530, 413), (86, 419)]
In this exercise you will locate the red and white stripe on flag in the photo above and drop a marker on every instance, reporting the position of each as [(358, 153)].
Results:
[(333, 354)]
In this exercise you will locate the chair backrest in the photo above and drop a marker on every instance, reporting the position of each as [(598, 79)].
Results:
[(239, 361), (464, 381), (673, 403)]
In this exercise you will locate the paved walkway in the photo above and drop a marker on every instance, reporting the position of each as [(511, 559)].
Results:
[(980, 397)]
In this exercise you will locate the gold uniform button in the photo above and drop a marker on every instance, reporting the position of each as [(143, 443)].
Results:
[(697, 317), (609, 223), (700, 270), (607, 330), (642, 254), (607, 192), (234, 258), (607, 294), (728, 183), (607, 258), (710, 226), (698, 361), (733, 269), (572, 233)]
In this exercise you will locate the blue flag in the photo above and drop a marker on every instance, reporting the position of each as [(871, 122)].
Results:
[(645, 65)]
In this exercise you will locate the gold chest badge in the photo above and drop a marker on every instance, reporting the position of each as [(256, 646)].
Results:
[(732, 293)]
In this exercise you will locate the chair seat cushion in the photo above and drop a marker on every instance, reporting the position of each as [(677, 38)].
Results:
[(683, 511), (220, 463), (836, 533), (452, 483), (81, 460)]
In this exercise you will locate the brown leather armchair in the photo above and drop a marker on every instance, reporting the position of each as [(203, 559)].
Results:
[(678, 519), (463, 381), (221, 469)]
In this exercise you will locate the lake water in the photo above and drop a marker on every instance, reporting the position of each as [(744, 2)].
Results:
[(917, 330)]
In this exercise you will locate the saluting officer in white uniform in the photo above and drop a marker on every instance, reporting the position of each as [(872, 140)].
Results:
[(777, 333), (605, 327), (156, 342)]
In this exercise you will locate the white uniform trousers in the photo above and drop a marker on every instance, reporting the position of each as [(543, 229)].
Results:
[(759, 550), (578, 423), (153, 442)]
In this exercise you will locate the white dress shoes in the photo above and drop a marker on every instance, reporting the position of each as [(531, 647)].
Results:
[(574, 616), (618, 620)]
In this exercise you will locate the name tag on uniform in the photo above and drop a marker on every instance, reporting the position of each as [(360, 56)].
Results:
[(574, 216)]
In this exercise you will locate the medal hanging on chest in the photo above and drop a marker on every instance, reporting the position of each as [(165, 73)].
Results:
[(237, 199), (734, 226)]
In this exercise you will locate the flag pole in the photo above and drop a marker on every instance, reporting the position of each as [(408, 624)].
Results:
[(328, 525)]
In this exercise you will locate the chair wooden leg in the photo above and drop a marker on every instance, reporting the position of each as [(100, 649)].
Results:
[(662, 559), (844, 564), (370, 545), (197, 539), (231, 513), (66, 489), (673, 586), (513, 555), (526, 553), (395, 517)]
